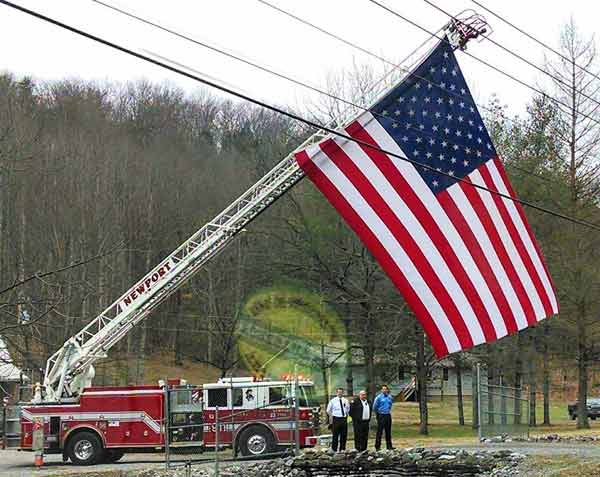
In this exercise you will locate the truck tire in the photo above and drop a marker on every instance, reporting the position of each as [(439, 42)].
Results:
[(113, 455), (85, 448), (255, 441)]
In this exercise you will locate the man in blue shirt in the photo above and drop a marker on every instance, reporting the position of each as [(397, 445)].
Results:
[(382, 407)]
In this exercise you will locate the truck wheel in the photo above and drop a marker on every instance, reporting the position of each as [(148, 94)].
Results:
[(85, 448), (113, 455), (255, 441)]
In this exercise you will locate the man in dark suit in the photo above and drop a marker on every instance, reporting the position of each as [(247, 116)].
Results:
[(360, 412)]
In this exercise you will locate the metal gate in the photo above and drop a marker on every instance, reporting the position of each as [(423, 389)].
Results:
[(501, 409), (198, 432)]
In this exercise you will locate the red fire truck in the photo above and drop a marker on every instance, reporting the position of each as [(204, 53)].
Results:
[(87, 423), (254, 418)]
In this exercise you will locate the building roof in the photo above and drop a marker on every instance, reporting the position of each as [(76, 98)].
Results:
[(8, 371)]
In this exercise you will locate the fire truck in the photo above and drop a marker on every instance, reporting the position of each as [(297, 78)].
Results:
[(90, 424), (254, 418)]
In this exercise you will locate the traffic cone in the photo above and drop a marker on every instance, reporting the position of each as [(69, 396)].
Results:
[(39, 459)]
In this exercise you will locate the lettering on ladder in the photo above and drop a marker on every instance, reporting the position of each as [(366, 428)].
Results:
[(149, 282)]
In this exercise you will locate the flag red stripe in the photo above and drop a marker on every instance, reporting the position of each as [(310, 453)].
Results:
[(338, 156), (518, 242), (414, 203), (488, 224), (377, 249), (521, 212), (480, 258)]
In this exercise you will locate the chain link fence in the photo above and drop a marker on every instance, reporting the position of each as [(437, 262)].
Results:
[(501, 409), (236, 421)]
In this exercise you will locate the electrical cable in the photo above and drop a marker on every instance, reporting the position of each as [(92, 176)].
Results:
[(389, 62), (518, 56), (283, 112), (480, 60), (531, 37), (286, 77)]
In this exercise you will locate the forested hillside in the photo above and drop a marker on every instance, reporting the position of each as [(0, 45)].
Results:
[(99, 182)]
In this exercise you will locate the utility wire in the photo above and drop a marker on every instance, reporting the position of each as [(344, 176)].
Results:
[(286, 77), (531, 37), (518, 56), (283, 112), (254, 63), (482, 61), (389, 62)]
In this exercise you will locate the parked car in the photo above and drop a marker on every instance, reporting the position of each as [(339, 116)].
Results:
[(593, 409)]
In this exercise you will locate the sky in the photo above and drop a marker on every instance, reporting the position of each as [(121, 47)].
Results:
[(45, 52)]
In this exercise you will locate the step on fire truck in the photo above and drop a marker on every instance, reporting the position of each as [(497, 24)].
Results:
[(92, 424)]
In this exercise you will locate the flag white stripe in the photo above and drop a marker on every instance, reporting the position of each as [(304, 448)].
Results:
[(474, 223), (407, 170), (389, 242), (419, 235), (509, 245), (524, 234)]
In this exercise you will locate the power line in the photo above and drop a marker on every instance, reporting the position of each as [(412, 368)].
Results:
[(480, 60), (518, 56), (389, 62), (283, 112), (286, 77), (531, 37)]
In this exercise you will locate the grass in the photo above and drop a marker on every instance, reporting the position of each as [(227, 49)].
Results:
[(444, 427)]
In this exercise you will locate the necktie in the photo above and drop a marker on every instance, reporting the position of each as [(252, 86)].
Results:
[(342, 408)]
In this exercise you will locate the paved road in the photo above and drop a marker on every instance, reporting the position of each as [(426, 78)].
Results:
[(20, 464)]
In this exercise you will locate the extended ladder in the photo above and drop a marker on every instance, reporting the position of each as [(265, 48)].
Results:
[(70, 369)]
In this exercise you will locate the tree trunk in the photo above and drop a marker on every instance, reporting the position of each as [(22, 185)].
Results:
[(326, 390), (490, 387), (369, 353), (475, 396), (546, 377), (532, 393), (459, 393), (178, 345), (422, 384), (518, 393), (349, 375), (582, 380)]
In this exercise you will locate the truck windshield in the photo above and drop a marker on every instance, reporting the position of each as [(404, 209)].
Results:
[(307, 398)]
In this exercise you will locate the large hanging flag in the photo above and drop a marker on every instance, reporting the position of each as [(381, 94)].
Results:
[(465, 259)]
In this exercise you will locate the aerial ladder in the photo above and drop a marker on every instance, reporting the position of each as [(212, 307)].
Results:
[(70, 369)]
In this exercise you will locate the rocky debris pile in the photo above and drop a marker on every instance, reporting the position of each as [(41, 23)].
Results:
[(417, 462), (543, 438)]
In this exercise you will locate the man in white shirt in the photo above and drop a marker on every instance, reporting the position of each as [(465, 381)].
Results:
[(337, 410), (360, 412)]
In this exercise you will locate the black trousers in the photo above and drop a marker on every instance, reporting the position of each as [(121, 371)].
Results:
[(361, 434), (339, 428), (384, 423)]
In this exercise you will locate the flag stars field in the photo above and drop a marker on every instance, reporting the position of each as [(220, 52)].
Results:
[(424, 222)]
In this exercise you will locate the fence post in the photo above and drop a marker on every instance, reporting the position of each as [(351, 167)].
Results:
[(479, 400), (217, 441), (296, 412), (475, 398)]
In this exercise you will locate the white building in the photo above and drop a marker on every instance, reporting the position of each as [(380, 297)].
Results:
[(10, 375)]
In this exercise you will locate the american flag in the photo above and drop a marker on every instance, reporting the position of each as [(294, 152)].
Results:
[(465, 259)]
